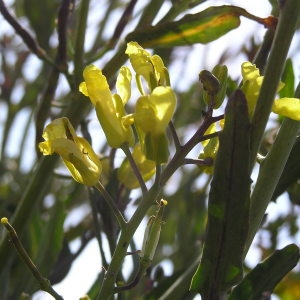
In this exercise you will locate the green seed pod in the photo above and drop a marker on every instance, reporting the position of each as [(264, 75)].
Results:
[(152, 234)]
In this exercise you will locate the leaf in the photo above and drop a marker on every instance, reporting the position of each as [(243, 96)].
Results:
[(202, 27), (288, 77), (44, 25), (50, 238), (228, 208), (265, 276)]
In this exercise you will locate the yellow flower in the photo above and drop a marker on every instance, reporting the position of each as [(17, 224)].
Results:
[(152, 116), (151, 67), (77, 154), (210, 148), (288, 107), (154, 112), (146, 167), (109, 108), (252, 81)]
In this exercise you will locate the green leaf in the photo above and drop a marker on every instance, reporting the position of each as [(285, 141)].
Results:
[(228, 208), (288, 78), (43, 26), (202, 27), (265, 276), (50, 238)]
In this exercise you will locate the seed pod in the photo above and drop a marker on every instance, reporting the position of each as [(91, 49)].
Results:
[(152, 234)]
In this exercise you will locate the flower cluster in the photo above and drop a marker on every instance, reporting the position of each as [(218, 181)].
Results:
[(154, 110), (251, 85)]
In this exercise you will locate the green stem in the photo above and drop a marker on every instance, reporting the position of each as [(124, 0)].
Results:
[(182, 151), (44, 282), (107, 288), (269, 174), (111, 203), (180, 286), (135, 169), (282, 40), (97, 226), (80, 39)]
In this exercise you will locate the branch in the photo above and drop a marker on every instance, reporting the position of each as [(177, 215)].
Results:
[(24, 34), (44, 282), (135, 168), (111, 203)]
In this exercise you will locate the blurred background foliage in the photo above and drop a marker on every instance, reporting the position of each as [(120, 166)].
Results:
[(36, 194)]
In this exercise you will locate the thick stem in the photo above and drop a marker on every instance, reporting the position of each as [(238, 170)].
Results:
[(269, 175), (282, 40)]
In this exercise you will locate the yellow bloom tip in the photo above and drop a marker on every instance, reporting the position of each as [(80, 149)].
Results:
[(163, 202), (4, 221)]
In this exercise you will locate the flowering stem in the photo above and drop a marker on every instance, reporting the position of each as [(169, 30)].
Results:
[(284, 33), (126, 236), (134, 167), (44, 282), (182, 151), (97, 226), (111, 203), (269, 174)]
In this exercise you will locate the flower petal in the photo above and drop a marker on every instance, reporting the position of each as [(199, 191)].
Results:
[(288, 107), (153, 113), (77, 154), (123, 84)]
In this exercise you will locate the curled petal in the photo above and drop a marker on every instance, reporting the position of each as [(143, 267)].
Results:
[(140, 60), (249, 71), (95, 85)]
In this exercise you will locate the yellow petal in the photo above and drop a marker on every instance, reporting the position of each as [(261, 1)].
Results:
[(109, 108), (83, 89), (287, 107), (153, 113), (249, 71), (96, 86), (78, 155), (123, 84)]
